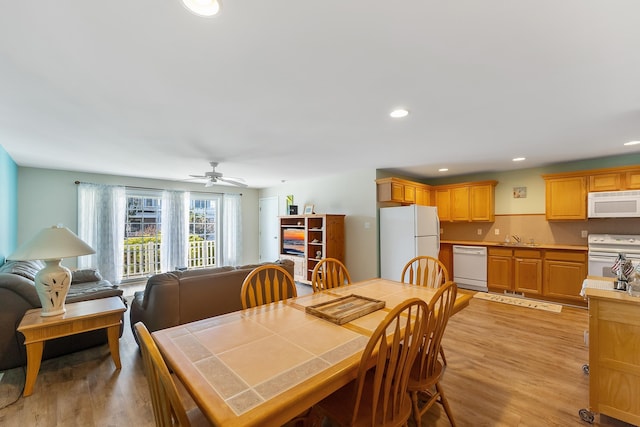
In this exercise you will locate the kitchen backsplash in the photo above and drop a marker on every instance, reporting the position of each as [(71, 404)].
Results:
[(536, 227)]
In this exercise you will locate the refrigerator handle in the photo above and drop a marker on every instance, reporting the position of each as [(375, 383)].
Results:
[(438, 230)]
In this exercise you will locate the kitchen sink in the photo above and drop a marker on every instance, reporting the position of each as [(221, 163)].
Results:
[(519, 245)]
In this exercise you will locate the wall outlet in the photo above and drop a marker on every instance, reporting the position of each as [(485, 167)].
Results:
[(584, 233), (479, 231), (497, 231)]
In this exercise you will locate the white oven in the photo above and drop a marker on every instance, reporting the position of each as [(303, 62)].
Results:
[(604, 249)]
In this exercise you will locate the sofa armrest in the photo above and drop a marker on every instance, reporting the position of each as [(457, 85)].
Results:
[(158, 305), (22, 288)]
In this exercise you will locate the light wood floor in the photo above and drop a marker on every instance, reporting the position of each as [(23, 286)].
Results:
[(507, 366)]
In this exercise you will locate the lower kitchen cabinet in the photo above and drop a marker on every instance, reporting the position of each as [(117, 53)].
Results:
[(564, 272), (515, 270)]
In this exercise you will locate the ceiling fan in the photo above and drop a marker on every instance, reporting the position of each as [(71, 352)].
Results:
[(213, 177)]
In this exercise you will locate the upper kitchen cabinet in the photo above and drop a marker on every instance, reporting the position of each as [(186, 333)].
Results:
[(614, 179), (566, 197), (401, 191), (471, 201)]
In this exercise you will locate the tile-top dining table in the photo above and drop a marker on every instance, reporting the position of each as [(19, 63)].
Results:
[(263, 366)]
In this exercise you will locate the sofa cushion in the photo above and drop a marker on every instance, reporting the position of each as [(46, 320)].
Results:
[(26, 269), (86, 275)]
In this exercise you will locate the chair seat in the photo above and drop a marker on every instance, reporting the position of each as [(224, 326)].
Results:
[(340, 405), (416, 385)]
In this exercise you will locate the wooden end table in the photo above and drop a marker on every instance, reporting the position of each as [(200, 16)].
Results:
[(102, 313)]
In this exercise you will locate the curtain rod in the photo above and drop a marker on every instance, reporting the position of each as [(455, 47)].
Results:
[(157, 189)]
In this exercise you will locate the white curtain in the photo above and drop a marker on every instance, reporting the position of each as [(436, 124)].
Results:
[(231, 229), (101, 218), (174, 248)]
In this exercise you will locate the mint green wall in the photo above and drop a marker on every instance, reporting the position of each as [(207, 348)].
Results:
[(48, 197), (8, 204)]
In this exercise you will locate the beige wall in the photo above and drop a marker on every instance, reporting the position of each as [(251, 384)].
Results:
[(352, 194), (47, 197)]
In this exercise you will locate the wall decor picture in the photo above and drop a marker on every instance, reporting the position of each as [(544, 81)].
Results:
[(519, 192)]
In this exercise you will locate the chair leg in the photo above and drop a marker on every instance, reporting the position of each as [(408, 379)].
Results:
[(444, 359), (445, 404), (417, 417)]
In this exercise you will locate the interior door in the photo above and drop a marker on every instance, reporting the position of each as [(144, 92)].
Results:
[(268, 229)]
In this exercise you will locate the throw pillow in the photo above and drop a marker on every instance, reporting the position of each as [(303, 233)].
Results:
[(26, 269)]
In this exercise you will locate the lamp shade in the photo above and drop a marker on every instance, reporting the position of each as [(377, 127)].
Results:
[(52, 243)]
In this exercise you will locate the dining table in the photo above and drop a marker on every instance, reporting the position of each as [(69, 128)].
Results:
[(265, 365)]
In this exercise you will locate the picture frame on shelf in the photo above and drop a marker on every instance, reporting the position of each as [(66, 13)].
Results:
[(308, 209), (293, 209)]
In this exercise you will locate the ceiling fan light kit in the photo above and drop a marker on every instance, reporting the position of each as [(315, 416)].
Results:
[(214, 177)]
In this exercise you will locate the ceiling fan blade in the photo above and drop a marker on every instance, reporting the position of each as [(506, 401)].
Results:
[(199, 176), (233, 182)]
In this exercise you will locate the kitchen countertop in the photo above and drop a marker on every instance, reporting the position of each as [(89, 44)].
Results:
[(523, 246)]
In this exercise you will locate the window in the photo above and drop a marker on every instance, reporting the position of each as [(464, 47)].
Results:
[(142, 233), (203, 226)]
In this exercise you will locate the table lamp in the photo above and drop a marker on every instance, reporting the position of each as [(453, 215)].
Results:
[(53, 281)]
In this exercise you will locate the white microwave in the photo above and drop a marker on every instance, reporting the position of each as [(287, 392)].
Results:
[(614, 204)]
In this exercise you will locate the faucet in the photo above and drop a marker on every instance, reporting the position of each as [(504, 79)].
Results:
[(516, 238)]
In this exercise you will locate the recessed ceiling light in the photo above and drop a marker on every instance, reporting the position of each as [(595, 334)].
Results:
[(443, 169), (632, 143), (519, 159), (203, 7), (399, 113)]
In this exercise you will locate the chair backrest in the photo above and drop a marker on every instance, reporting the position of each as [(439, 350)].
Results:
[(266, 284), (167, 406), (329, 273), (425, 271), (394, 344), (440, 309)]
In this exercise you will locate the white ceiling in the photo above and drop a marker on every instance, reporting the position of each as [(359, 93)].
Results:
[(281, 90)]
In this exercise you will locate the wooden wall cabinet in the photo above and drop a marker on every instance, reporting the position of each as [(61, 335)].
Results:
[(401, 191), (442, 198), (321, 236), (566, 198), (469, 202), (614, 179), (515, 270), (564, 272)]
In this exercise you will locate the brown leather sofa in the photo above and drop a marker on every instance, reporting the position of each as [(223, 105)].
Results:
[(178, 297), (18, 294)]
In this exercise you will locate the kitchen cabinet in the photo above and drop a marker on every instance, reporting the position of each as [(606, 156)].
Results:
[(515, 270), (566, 197), (469, 202), (564, 272), (614, 179), (443, 203), (402, 191), (614, 359), (446, 257)]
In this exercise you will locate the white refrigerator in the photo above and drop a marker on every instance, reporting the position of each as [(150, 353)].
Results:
[(407, 232)]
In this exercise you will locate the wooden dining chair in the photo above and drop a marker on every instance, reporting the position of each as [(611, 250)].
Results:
[(329, 273), (168, 407), (267, 284), (425, 271), (426, 373), (378, 396)]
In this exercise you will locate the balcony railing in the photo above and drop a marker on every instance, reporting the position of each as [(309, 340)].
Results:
[(143, 259)]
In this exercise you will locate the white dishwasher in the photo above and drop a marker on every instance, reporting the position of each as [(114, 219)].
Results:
[(470, 267)]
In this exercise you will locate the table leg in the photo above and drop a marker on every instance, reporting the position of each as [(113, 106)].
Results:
[(34, 358), (113, 333)]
